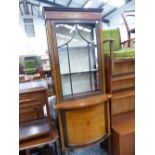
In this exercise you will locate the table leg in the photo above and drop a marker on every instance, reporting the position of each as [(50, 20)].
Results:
[(109, 145), (55, 149), (27, 152), (106, 145)]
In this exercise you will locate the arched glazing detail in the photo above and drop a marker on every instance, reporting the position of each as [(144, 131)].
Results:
[(78, 58)]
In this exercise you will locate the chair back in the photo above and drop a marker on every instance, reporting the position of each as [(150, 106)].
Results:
[(129, 21), (112, 34)]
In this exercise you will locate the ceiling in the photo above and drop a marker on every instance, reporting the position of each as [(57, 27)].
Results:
[(34, 7)]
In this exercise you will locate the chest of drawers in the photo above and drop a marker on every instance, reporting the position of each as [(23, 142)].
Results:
[(34, 117)]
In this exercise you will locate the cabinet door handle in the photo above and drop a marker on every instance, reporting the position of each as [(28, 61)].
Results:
[(27, 100)]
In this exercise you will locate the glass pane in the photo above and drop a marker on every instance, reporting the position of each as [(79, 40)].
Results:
[(66, 89), (63, 60), (81, 83), (78, 58)]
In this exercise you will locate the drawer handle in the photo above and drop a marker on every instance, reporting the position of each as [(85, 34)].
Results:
[(28, 100)]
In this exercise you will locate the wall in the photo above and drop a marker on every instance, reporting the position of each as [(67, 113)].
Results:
[(36, 45), (117, 21)]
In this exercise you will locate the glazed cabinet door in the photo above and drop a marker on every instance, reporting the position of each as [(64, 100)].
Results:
[(77, 57)]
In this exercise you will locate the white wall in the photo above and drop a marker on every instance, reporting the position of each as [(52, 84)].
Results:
[(117, 21), (36, 45)]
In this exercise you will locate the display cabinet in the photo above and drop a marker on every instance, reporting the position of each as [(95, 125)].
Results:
[(76, 56)]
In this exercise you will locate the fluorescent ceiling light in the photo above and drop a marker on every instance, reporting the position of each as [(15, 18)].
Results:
[(40, 8), (116, 3), (89, 3), (65, 37), (72, 29), (64, 25), (84, 29)]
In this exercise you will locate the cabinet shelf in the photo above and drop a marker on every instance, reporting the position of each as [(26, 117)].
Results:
[(77, 47), (94, 70), (83, 103)]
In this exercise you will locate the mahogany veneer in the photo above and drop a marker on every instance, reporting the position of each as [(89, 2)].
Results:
[(123, 134), (33, 121), (40, 142), (33, 129)]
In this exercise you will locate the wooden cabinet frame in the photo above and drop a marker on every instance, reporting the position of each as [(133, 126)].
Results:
[(60, 15)]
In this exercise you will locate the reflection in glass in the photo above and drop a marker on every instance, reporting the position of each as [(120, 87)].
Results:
[(78, 58)]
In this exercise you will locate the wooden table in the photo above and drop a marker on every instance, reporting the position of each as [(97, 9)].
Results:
[(41, 141)]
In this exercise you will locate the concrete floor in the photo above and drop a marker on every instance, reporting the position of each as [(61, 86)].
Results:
[(88, 151), (95, 150)]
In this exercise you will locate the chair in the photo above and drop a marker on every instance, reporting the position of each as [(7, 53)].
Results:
[(30, 65), (128, 17), (114, 48)]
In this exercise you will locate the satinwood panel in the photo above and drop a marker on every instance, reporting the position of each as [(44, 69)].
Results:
[(85, 125)]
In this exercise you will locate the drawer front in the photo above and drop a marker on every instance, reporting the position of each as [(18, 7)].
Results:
[(31, 109), (123, 105), (124, 67), (123, 84), (30, 113), (31, 106), (32, 99)]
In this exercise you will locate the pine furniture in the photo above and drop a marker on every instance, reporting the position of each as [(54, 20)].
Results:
[(120, 79)]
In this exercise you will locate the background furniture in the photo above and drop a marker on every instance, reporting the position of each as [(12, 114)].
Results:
[(21, 69), (120, 81), (36, 80), (113, 47), (34, 120), (113, 36), (123, 134), (27, 78), (128, 18), (74, 38), (30, 63), (29, 145), (45, 63)]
